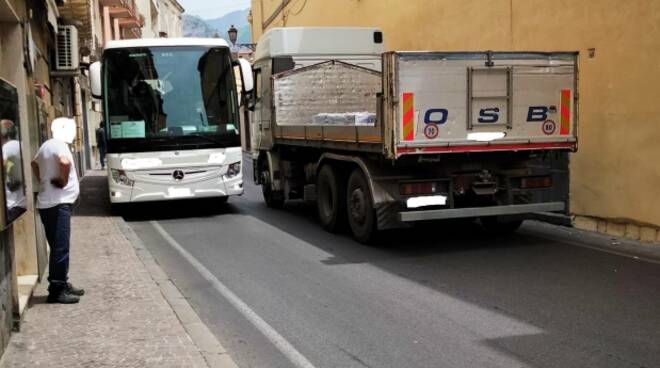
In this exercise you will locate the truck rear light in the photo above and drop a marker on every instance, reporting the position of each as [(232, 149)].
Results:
[(533, 182), (418, 188)]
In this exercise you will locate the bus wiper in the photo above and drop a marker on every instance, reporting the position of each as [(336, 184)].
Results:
[(204, 137)]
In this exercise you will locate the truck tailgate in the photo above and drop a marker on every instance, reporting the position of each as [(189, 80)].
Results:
[(479, 101)]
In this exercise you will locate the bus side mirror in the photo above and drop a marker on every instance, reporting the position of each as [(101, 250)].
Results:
[(246, 75), (95, 79)]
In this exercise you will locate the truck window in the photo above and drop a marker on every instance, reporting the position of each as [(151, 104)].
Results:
[(257, 87), (282, 64)]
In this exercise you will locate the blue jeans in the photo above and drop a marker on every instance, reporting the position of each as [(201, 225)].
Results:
[(102, 156), (57, 222)]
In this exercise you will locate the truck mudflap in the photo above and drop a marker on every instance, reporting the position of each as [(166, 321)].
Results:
[(442, 214), (479, 102)]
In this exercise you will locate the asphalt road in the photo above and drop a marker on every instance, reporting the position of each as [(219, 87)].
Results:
[(278, 291)]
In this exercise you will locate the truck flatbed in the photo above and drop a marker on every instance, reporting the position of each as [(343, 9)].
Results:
[(429, 103)]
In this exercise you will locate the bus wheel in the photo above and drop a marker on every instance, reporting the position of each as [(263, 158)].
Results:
[(360, 208), (330, 194), (273, 198), (497, 226)]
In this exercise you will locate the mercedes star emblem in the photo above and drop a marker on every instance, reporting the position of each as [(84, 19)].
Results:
[(177, 175)]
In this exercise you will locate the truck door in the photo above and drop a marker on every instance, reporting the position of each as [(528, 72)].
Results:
[(255, 111), (261, 124)]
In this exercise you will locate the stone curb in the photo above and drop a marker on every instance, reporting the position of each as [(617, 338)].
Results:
[(643, 232), (208, 345), (595, 240)]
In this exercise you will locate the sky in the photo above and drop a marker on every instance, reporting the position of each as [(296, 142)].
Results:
[(209, 9)]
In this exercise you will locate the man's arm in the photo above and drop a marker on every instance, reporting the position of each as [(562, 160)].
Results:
[(64, 168), (35, 170)]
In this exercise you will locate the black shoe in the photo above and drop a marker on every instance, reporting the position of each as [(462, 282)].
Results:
[(74, 290), (63, 297)]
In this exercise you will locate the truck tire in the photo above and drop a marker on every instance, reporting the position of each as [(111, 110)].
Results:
[(360, 208), (496, 226), (273, 198), (330, 198)]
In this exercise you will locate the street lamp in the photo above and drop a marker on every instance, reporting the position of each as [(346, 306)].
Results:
[(233, 34), (236, 47)]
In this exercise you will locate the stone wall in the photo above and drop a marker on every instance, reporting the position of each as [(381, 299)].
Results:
[(6, 291)]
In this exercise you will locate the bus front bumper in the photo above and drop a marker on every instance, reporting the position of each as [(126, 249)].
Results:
[(142, 191)]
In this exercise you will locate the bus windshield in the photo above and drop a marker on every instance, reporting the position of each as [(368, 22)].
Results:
[(162, 97)]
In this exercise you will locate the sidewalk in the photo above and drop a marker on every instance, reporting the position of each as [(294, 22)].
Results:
[(131, 315)]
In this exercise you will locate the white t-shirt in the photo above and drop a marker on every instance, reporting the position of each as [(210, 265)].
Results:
[(48, 158)]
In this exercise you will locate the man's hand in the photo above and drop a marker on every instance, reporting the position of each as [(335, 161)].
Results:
[(35, 169), (64, 168)]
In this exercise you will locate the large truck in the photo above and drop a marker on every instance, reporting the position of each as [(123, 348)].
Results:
[(171, 118), (382, 140)]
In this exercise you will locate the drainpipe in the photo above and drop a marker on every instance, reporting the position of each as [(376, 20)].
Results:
[(117, 30), (107, 30)]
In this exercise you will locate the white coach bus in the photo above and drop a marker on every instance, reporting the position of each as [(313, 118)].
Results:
[(171, 117)]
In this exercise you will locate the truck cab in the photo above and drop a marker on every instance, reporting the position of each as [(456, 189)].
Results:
[(283, 49)]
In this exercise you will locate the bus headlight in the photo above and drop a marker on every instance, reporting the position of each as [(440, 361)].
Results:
[(119, 177), (233, 170)]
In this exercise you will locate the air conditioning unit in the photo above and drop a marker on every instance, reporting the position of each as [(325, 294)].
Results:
[(66, 54)]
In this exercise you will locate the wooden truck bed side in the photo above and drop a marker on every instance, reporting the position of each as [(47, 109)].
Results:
[(328, 105)]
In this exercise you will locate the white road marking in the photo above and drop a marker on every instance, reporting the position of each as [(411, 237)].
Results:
[(267, 330)]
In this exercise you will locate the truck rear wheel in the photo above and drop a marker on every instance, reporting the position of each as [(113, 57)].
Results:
[(360, 208), (273, 198), (497, 226), (330, 198)]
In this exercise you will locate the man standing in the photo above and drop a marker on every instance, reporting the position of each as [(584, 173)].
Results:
[(58, 190), (100, 143)]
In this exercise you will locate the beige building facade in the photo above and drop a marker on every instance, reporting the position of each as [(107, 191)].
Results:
[(615, 173), (170, 19), (162, 18)]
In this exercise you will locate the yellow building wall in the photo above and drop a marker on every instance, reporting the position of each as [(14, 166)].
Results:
[(616, 172)]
